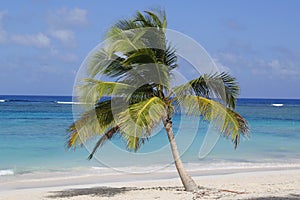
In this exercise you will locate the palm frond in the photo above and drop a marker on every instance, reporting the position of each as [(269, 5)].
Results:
[(137, 122), (170, 57), (157, 74), (126, 41), (133, 143), (141, 56), (107, 136), (138, 46), (83, 129), (230, 90), (227, 121), (116, 68), (221, 86), (126, 24), (155, 18), (104, 62), (92, 90), (144, 20), (142, 93), (90, 124), (138, 40)]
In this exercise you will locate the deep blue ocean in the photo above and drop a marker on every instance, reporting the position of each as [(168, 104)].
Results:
[(33, 136)]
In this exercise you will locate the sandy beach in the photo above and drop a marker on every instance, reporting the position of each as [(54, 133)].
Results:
[(149, 100), (258, 184)]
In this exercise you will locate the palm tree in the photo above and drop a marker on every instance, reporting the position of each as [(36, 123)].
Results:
[(139, 61)]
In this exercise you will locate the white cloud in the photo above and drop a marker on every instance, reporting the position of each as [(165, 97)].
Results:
[(281, 66), (228, 57), (284, 68), (3, 34), (38, 40), (277, 67), (67, 18), (62, 21), (66, 37)]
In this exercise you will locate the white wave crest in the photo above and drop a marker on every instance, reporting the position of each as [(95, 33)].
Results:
[(1, 100), (6, 172), (277, 104), (68, 102)]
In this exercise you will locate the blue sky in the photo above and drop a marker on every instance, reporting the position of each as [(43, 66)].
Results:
[(42, 43)]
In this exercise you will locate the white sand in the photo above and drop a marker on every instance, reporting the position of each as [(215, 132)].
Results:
[(280, 184)]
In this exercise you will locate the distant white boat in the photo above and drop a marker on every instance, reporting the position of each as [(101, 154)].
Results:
[(277, 104)]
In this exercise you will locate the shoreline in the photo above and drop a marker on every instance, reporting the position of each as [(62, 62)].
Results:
[(107, 175), (256, 183)]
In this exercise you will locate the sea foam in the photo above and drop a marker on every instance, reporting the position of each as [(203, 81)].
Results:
[(1, 100)]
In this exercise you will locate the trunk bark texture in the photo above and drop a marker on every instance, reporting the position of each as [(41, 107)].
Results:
[(187, 181)]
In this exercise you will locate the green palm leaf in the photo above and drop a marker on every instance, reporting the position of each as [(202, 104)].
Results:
[(222, 86), (142, 93), (93, 90), (157, 20), (170, 57), (137, 122), (227, 121), (91, 123), (157, 75), (125, 24), (104, 62), (140, 56)]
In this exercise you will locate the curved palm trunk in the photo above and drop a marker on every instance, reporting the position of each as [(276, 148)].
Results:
[(187, 181)]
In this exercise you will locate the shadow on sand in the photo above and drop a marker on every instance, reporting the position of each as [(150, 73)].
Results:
[(111, 191), (96, 191), (102, 191), (290, 197)]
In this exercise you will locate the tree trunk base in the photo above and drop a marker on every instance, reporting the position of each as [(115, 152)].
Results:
[(187, 181)]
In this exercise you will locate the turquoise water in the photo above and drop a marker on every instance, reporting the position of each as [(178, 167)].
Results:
[(33, 133)]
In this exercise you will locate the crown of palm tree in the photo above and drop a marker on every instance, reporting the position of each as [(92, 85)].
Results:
[(140, 61)]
